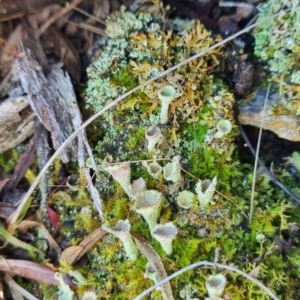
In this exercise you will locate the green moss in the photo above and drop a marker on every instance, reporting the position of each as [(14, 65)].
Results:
[(124, 78), (136, 139), (8, 160)]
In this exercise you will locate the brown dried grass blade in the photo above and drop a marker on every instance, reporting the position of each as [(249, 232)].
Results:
[(257, 156), (33, 271), (148, 251)]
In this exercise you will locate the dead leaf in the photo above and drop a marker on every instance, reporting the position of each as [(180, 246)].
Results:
[(53, 216), (6, 209), (71, 254), (255, 272), (23, 226), (74, 253), (58, 15), (35, 20), (101, 9), (32, 270), (243, 12)]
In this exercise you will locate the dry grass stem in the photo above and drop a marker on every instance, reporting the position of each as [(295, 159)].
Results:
[(211, 264), (257, 156), (58, 15), (234, 4), (88, 27), (89, 15)]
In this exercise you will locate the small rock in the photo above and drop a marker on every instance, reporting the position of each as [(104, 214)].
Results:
[(286, 126), (243, 77)]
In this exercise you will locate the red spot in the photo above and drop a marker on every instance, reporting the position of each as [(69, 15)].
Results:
[(53, 217)]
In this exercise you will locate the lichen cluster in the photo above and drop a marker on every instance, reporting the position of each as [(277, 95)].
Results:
[(199, 137), (277, 42)]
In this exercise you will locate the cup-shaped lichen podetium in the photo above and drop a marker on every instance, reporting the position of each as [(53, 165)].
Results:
[(205, 191), (165, 234), (172, 171), (148, 204), (150, 272), (224, 127), (122, 231), (215, 285), (153, 136), (154, 169), (120, 172), (137, 187), (166, 95), (185, 199)]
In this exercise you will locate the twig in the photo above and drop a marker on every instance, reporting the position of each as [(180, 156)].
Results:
[(140, 161), (234, 203), (266, 170), (15, 215), (212, 264), (235, 4), (58, 15), (89, 15), (88, 27), (257, 155)]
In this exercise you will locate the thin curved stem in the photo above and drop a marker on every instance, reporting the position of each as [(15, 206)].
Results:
[(266, 170), (257, 155), (211, 264)]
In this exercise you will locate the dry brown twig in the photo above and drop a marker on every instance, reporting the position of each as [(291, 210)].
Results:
[(88, 27), (58, 15), (33, 271)]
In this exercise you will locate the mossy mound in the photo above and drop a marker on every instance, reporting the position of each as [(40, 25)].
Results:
[(138, 48)]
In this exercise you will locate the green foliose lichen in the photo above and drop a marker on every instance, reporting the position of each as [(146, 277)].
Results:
[(202, 101)]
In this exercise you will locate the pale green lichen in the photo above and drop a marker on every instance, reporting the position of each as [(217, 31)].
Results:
[(277, 42), (122, 23), (122, 231), (215, 285)]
